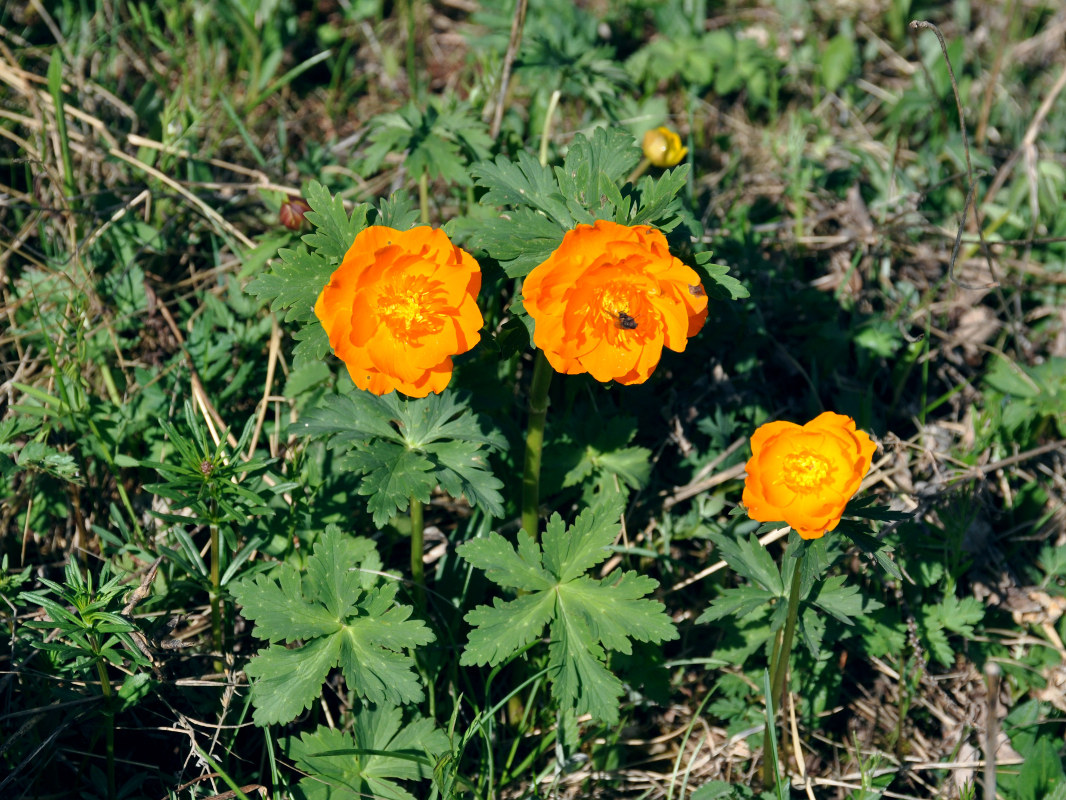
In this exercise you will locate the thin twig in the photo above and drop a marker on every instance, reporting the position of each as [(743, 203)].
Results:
[(915, 26), (517, 26)]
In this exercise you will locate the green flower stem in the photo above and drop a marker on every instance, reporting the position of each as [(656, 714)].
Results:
[(782, 654), (417, 569), (109, 724), (423, 196), (216, 595), (545, 135), (538, 410), (780, 669)]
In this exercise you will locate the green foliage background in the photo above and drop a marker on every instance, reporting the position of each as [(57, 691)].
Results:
[(205, 529)]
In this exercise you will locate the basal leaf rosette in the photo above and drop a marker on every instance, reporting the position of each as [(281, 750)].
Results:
[(609, 298), (399, 306), (805, 475)]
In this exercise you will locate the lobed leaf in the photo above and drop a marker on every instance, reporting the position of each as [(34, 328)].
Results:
[(287, 682), (657, 198), (750, 559), (403, 447), (334, 229), (586, 617), (344, 619), (505, 627), (503, 565), (523, 182), (366, 762), (737, 602), (293, 283)]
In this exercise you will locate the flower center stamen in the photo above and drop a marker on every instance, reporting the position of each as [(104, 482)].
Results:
[(617, 304), (804, 471), (402, 307)]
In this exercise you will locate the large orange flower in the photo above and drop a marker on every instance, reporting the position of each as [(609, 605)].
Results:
[(609, 298), (804, 476), (399, 306)]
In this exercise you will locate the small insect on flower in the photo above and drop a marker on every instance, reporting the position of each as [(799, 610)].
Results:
[(697, 291), (605, 278)]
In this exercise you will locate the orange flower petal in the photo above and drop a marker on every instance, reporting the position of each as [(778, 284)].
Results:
[(804, 476), (400, 304), (609, 299)]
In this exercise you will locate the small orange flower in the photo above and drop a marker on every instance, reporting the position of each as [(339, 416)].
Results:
[(804, 476), (399, 306), (662, 147), (609, 298)]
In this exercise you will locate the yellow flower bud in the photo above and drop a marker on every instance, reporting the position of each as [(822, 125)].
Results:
[(662, 147)]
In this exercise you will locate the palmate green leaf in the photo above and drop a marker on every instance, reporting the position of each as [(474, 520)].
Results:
[(939, 646), (586, 617), (405, 447), (958, 616), (334, 229), (656, 200), (296, 279), (737, 602), (398, 211), (569, 552), (590, 175), (843, 602), (812, 626), (367, 762), (312, 344), (439, 139), (871, 546), (372, 645), (462, 469), (441, 158), (438, 417), (597, 448), (506, 627), (521, 241), (615, 610), (297, 618), (503, 565), (392, 475), (293, 283), (347, 419), (344, 619), (750, 559), (523, 182), (632, 465), (722, 285), (287, 682), (611, 152)]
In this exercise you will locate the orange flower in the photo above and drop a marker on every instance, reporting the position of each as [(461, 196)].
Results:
[(662, 147), (804, 476), (399, 306), (609, 298)]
